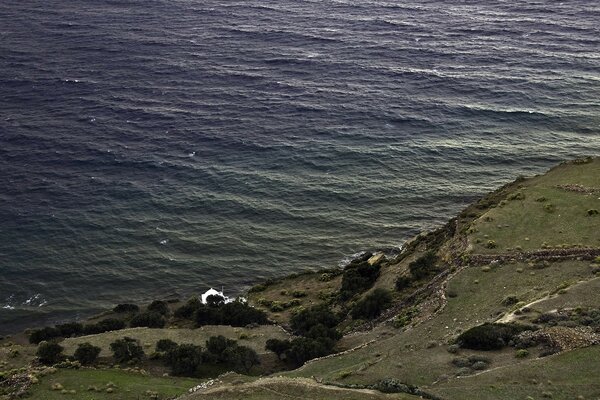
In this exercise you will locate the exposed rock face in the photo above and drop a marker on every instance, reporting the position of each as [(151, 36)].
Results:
[(562, 338), (376, 259)]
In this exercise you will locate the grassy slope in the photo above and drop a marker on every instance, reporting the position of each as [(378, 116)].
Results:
[(526, 224), (564, 376), (254, 338), (277, 389), (406, 356), (127, 385)]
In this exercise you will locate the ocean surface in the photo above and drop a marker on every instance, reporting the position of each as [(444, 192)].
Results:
[(151, 148)]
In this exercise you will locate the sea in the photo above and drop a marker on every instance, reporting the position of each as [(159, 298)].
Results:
[(154, 148)]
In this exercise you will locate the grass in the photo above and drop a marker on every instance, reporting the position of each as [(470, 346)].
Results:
[(126, 385), (405, 356), (564, 376), (254, 338), (528, 223), (277, 389), (282, 291)]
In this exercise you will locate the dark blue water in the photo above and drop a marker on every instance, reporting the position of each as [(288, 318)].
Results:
[(153, 147)]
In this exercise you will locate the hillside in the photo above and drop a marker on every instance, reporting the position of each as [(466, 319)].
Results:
[(500, 303)]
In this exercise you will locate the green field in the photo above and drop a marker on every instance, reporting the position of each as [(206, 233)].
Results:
[(125, 385)]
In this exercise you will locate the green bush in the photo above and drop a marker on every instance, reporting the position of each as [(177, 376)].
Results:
[(423, 266), (165, 345), (159, 306), (490, 336), (184, 360), (522, 353), (216, 348), (49, 353), (86, 353), (149, 319), (106, 325), (70, 329), (305, 320), (127, 349), (357, 277), (125, 308), (304, 349), (44, 334), (234, 314), (372, 305), (277, 346), (241, 358), (402, 282)]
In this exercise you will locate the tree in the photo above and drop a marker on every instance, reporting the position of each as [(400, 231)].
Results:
[(423, 265), (127, 349), (47, 333), (149, 319), (106, 325), (242, 358), (49, 353), (277, 346), (123, 308), (165, 345), (304, 349), (214, 300), (159, 306), (216, 347), (184, 359), (87, 353), (303, 321), (372, 305)]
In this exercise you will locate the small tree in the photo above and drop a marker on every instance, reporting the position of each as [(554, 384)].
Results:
[(423, 265), (159, 306), (216, 347), (126, 307), (50, 353), (87, 353), (127, 349), (242, 358), (277, 346), (184, 359), (165, 345), (149, 319), (372, 305)]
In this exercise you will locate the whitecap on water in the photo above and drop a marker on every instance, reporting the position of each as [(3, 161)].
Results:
[(164, 241)]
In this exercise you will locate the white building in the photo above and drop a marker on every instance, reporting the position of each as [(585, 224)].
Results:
[(214, 292)]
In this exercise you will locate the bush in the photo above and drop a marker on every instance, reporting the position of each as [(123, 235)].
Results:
[(214, 300), (106, 325), (44, 334), (217, 346), (277, 346), (242, 358), (149, 319), (402, 282), (490, 336), (70, 329), (522, 353), (357, 277), (159, 306), (234, 314), (510, 301), (124, 308), (127, 349), (304, 349), (423, 265), (165, 345), (372, 305), (184, 360), (49, 353), (303, 321), (87, 353)]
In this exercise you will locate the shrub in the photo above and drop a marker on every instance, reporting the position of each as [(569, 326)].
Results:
[(106, 325), (479, 366), (490, 336), (149, 319), (87, 353), (299, 293), (402, 282), (44, 334), (184, 359), (510, 301), (304, 349), (126, 307), (303, 321), (240, 314), (592, 211), (277, 346), (165, 345), (242, 358), (70, 329), (49, 353), (159, 306), (522, 353), (127, 349), (217, 346), (491, 244), (422, 266), (214, 300), (357, 277), (372, 305)]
